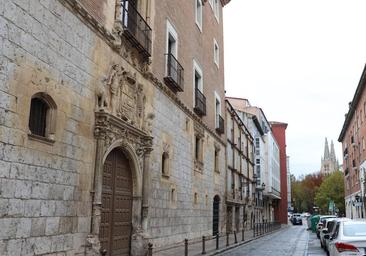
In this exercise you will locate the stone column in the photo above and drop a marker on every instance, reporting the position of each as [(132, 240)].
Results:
[(98, 186), (146, 189), (93, 248)]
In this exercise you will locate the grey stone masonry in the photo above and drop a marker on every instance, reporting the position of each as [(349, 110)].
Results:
[(45, 202)]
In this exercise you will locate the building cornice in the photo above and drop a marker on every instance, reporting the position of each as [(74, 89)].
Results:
[(354, 103)]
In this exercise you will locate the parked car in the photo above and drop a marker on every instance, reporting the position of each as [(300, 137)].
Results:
[(321, 223), (349, 238), (305, 214), (328, 226), (331, 233), (296, 219)]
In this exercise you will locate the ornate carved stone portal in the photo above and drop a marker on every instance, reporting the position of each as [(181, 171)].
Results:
[(120, 122)]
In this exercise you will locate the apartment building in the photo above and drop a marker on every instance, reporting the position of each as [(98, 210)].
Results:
[(279, 132), (112, 131), (267, 156), (240, 196), (352, 137)]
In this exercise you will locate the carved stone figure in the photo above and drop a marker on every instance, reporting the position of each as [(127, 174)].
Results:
[(114, 84), (101, 92)]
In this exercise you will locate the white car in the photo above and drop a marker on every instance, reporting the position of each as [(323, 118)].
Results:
[(331, 232), (349, 238), (321, 223), (328, 226)]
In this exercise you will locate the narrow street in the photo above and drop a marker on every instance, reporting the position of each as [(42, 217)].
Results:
[(291, 241)]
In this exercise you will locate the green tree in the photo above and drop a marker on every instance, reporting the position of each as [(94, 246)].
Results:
[(331, 189), (304, 190)]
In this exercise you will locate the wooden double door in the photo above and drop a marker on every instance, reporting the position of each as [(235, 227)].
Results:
[(116, 219)]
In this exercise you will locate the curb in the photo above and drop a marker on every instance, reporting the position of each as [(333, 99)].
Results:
[(230, 247)]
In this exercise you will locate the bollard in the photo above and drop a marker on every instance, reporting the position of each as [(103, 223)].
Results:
[(185, 247), (242, 234), (217, 241), (150, 249), (203, 245), (227, 239), (254, 230), (235, 238)]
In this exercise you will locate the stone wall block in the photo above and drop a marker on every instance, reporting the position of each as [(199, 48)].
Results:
[(66, 225), (4, 207), (52, 226), (84, 224), (32, 208), (57, 243), (40, 190), (24, 189), (38, 227), (4, 169), (8, 228), (14, 247), (56, 192), (69, 242), (42, 245), (8, 187), (48, 208), (24, 228), (10, 11), (16, 208)]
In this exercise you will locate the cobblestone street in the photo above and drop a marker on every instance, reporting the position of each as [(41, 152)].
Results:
[(291, 241)]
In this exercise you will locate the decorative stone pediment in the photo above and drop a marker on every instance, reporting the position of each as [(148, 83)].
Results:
[(110, 128), (120, 95)]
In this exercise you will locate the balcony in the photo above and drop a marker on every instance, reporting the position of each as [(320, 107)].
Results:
[(174, 78), (135, 28), (220, 124), (200, 103)]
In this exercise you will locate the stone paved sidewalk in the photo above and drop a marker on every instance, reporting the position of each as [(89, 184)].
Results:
[(195, 248)]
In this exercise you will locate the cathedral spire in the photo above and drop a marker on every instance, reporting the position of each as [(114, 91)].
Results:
[(326, 149), (332, 152)]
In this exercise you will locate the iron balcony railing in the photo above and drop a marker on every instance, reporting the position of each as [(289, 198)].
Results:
[(136, 29), (220, 124), (175, 73), (200, 103)]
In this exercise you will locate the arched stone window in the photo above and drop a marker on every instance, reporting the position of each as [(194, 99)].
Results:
[(165, 165), (42, 117)]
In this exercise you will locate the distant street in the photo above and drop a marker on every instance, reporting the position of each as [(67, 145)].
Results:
[(291, 241)]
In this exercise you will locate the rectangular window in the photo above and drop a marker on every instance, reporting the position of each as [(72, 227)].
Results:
[(216, 9), (216, 168), (171, 40), (197, 76), (199, 13), (217, 110), (197, 148), (216, 53)]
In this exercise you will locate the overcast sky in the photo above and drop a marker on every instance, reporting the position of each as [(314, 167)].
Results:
[(300, 61)]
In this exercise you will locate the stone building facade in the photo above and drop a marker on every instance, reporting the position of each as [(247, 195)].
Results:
[(108, 138), (240, 197), (352, 137)]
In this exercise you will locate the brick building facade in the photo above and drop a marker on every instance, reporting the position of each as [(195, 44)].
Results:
[(352, 137)]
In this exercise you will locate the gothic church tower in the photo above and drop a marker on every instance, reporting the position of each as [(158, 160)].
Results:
[(329, 162)]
